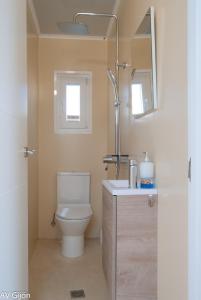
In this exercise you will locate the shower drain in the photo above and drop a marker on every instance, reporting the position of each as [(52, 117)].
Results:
[(76, 294)]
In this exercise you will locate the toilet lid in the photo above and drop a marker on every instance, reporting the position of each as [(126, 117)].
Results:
[(74, 212)]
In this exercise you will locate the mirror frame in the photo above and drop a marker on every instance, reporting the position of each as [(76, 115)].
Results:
[(151, 11)]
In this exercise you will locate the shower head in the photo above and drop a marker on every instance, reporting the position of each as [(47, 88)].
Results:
[(113, 79), (72, 28), (77, 28)]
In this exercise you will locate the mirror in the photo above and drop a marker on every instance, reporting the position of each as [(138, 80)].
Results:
[(143, 76)]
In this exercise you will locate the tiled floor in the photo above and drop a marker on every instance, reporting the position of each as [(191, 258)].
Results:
[(53, 276)]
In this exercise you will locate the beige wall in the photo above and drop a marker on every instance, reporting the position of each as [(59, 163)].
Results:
[(32, 74), (163, 134), (78, 152)]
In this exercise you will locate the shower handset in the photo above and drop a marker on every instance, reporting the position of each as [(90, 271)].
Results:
[(113, 79)]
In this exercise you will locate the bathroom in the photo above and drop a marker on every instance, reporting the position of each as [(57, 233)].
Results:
[(162, 132)]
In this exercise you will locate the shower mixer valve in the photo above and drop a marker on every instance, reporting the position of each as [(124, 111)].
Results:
[(114, 159), (124, 65)]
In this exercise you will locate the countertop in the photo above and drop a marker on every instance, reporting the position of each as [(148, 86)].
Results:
[(120, 188)]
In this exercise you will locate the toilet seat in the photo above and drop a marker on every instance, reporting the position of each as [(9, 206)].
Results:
[(74, 212)]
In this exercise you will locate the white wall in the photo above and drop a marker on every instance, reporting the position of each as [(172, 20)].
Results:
[(13, 166)]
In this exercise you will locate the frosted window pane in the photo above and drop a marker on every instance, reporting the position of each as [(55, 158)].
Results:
[(137, 99), (73, 102)]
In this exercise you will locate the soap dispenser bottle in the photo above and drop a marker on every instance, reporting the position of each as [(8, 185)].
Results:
[(147, 173)]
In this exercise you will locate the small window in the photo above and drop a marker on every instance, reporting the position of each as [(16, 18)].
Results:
[(72, 96), (141, 97), (73, 102), (137, 99)]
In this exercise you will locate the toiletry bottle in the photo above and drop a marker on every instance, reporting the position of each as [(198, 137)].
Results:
[(147, 173), (132, 174)]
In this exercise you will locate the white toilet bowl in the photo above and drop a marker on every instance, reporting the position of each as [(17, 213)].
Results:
[(73, 210), (73, 221)]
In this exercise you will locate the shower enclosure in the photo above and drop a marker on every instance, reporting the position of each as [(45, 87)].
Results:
[(81, 29)]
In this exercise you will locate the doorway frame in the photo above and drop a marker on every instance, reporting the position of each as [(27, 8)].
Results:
[(194, 144)]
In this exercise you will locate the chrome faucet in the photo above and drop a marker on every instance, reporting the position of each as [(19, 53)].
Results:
[(117, 160)]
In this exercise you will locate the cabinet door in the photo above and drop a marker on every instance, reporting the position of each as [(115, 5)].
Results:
[(136, 248), (109, 241)]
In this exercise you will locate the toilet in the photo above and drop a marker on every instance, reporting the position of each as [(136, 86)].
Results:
[(74, 211)]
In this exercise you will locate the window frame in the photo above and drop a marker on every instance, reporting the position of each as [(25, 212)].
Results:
[(61, 124)]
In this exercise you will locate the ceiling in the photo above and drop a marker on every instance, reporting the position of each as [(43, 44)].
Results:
[(49, 12)]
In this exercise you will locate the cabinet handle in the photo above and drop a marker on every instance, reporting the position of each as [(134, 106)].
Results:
[(151, 200), (189, 169)]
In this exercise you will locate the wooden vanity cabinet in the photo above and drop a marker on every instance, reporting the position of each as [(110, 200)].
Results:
[(130, 246)]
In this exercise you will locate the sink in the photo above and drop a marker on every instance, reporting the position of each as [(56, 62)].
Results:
[(121, 188), (118, 183)]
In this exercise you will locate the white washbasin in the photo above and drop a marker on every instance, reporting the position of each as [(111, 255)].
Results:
[(118, 183), (121, 188)]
